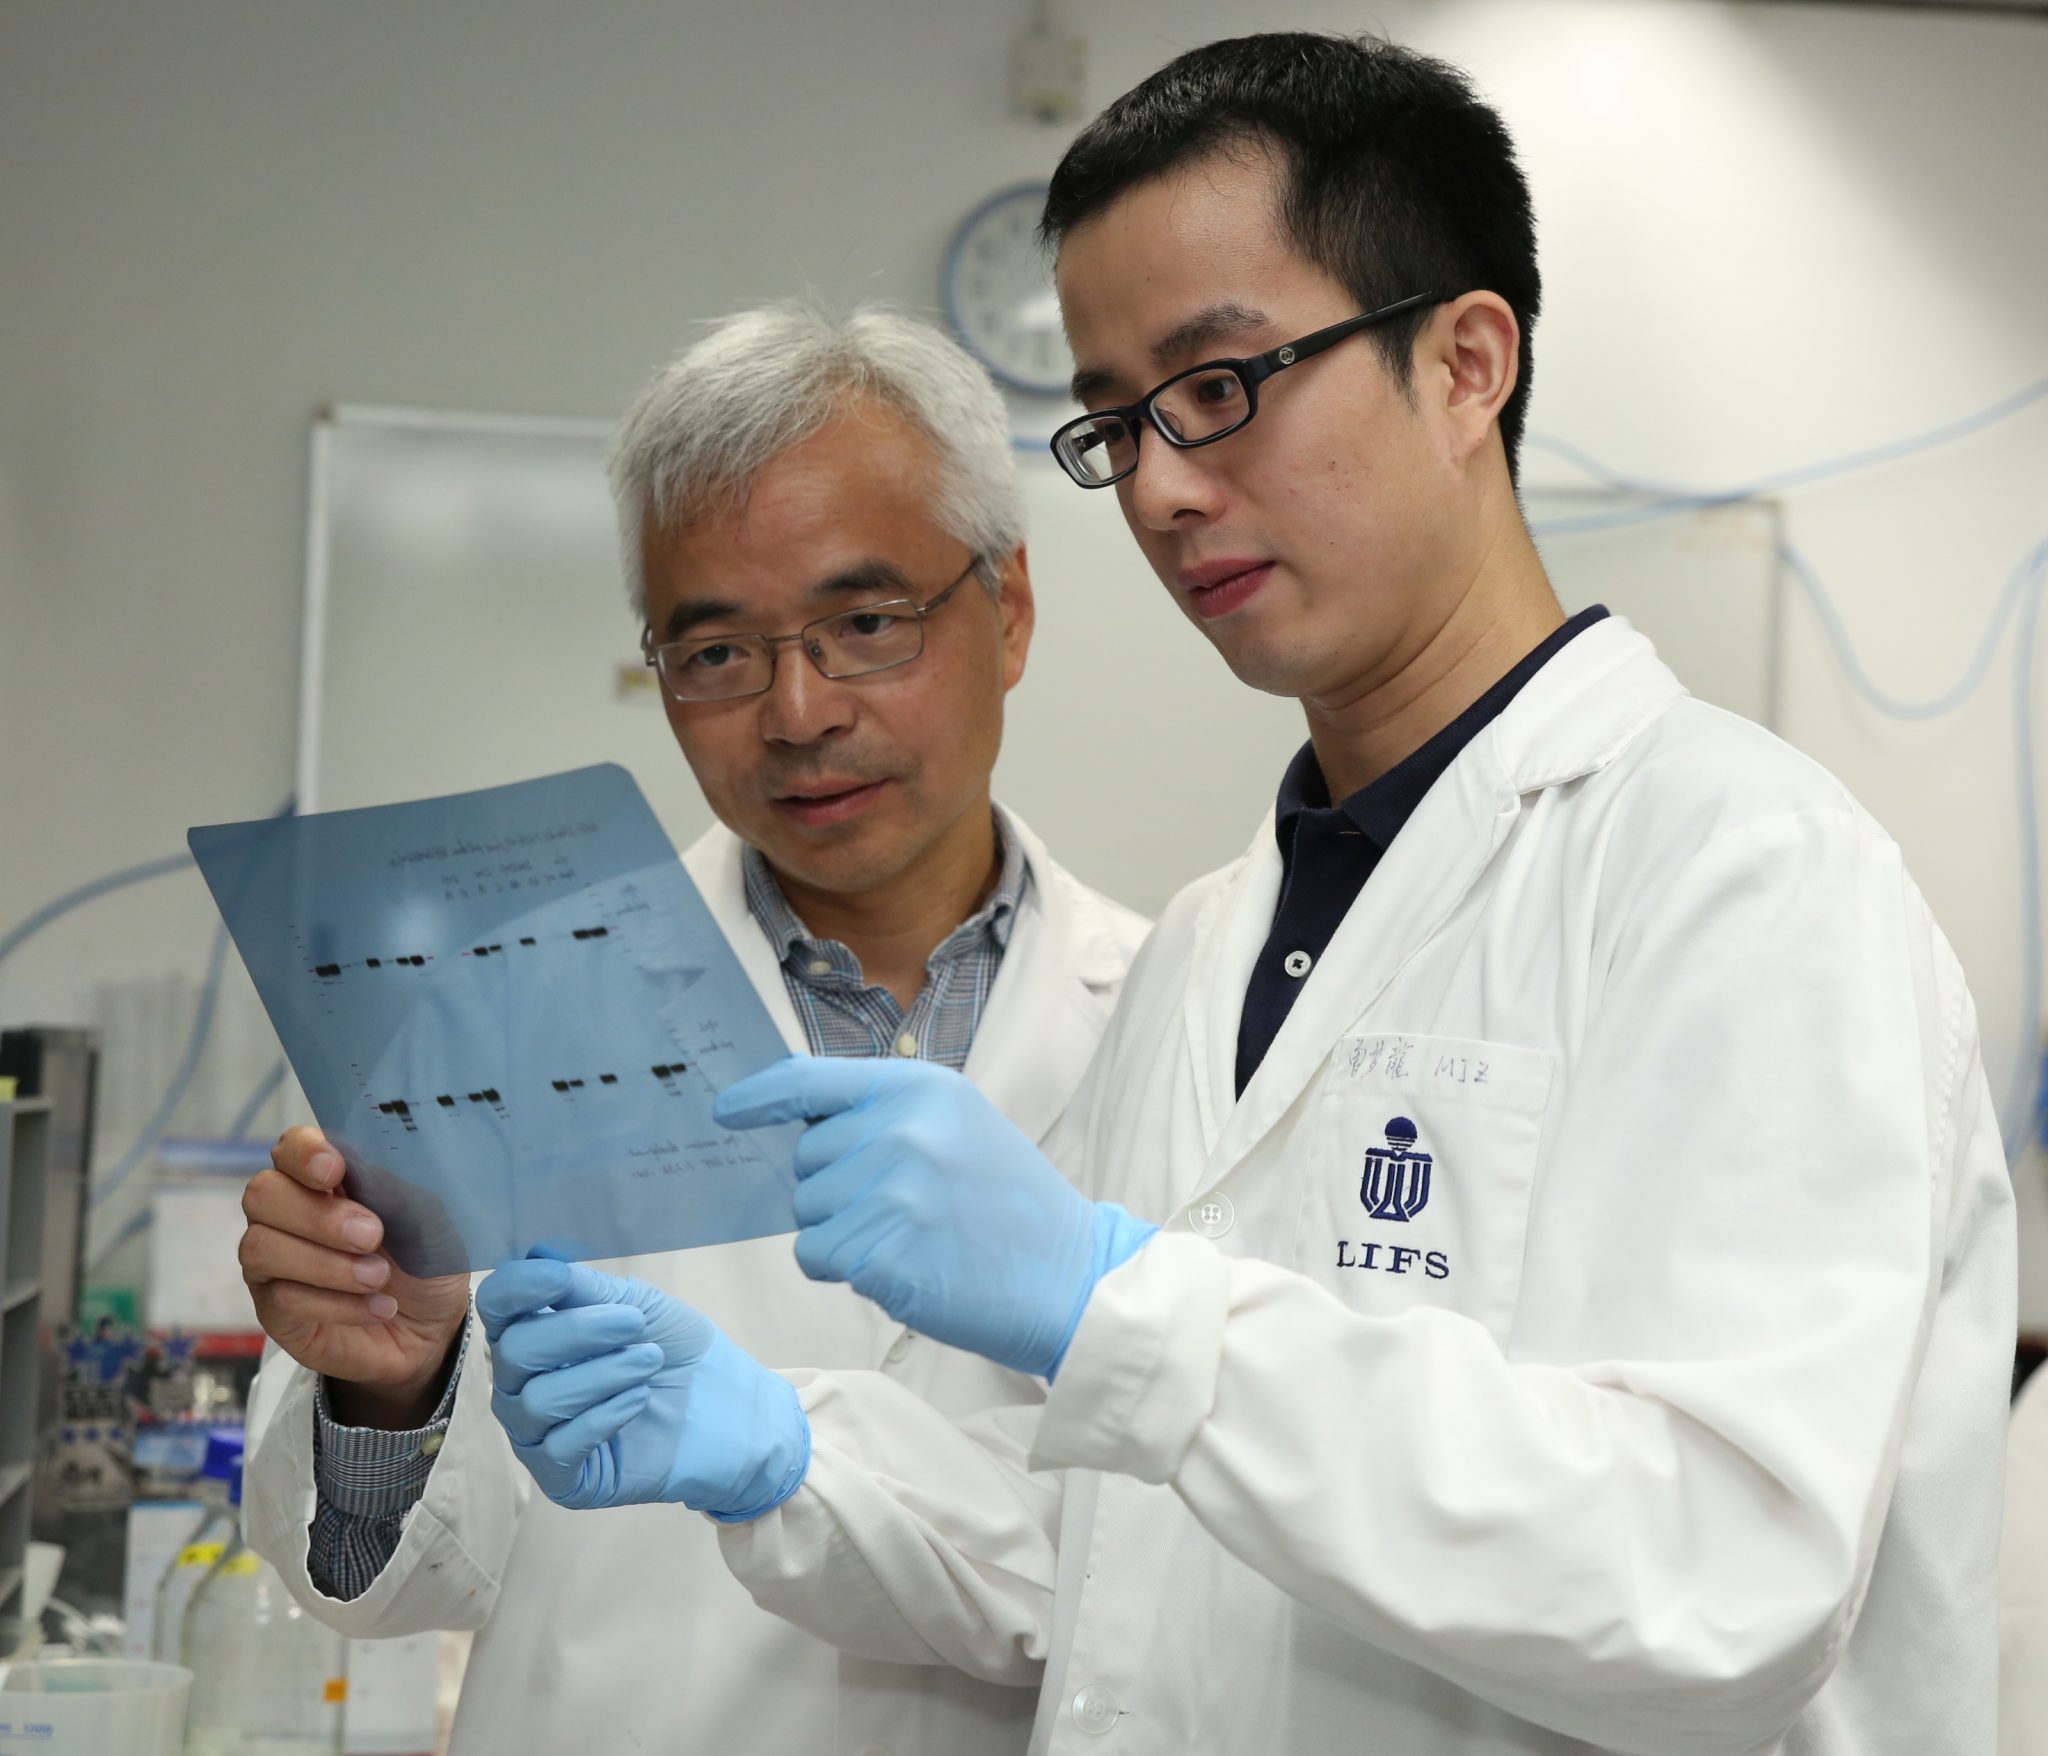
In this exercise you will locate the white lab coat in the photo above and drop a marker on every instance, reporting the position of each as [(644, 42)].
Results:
[(622, 1631), (2023, 1578), (1666, 1417)]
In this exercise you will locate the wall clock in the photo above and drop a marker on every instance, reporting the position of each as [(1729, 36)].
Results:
[(996, 286)]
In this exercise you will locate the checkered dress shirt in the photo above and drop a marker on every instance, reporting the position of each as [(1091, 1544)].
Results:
[(844, 1014), (369, 1479)]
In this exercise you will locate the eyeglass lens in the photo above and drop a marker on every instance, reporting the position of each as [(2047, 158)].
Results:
[(1204, 404), (845, 645)]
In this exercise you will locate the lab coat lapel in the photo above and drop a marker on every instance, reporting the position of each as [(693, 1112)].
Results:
[(713, 863), (1434, 861), (1046, 1010), (1229, 933), (1570, 720)]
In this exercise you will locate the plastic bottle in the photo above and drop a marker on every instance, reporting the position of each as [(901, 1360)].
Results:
[(206, 1545), (267, 1679)]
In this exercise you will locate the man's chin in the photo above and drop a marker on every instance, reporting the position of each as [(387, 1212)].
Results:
[(842, 860), (1264, 645), (1259, 665)]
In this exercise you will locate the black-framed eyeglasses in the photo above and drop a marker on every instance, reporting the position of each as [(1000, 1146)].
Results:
[(848, 643), (1199, 406)]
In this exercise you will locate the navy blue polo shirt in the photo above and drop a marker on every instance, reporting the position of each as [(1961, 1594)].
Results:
[(1327, 851)]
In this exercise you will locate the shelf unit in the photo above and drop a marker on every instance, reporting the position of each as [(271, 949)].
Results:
[(24, 1158)]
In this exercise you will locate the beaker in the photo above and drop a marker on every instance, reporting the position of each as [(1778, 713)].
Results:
[(91, 1706)]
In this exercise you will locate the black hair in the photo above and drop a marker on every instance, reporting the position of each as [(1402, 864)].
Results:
[(1399, 177)]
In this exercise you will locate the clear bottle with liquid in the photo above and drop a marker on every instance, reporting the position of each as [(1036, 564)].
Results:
[(205, 1546), (267, 1678)]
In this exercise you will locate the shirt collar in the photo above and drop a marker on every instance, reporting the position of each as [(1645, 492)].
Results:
[(1380, 808), (788, 935)]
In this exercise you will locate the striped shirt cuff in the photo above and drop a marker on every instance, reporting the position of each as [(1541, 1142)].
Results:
[(367, 1480)]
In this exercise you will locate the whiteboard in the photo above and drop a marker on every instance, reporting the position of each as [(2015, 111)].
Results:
[(466, 625)]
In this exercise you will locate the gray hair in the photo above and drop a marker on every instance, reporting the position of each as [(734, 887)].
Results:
[(758, 382)]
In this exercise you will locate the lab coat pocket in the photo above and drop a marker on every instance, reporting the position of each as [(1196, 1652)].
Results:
[(1422, 1152)]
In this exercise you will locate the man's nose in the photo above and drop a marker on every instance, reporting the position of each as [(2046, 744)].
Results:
[(1171, 485), (802, 705)]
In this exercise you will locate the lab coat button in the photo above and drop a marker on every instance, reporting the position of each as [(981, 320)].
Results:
[(1095, 1710), (906, 1045), (1298, 964), (1212, 1216), (899, 1349)]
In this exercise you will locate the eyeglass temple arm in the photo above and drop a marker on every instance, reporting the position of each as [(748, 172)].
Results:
[(1311, 345)]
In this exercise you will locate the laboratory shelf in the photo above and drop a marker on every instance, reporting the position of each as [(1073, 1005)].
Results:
[(24, 1144), (14, 1522), (24, 1155), (17, 1388)]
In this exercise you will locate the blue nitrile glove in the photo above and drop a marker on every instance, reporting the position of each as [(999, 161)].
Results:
[(615, 1394), (922, 1195)]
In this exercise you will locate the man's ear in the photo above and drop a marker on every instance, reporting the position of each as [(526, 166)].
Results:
[(1472, 352), (1019, 613)]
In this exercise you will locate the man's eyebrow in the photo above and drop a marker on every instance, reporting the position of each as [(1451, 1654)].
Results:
[(1212, 324), (866, 578), (870, 579), (1208, 326), (693, 612)]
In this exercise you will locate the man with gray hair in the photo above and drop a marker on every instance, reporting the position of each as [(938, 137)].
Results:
[(822, 529)]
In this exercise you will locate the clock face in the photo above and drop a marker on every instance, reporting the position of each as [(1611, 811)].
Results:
[(999, 295)]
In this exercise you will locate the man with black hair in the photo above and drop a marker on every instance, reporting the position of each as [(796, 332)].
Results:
[(1581, 1293)]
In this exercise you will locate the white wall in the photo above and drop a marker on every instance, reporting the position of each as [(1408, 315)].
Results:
[(1771, 233)]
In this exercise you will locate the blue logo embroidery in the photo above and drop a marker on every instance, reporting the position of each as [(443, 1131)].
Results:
[(1396, 1180)]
